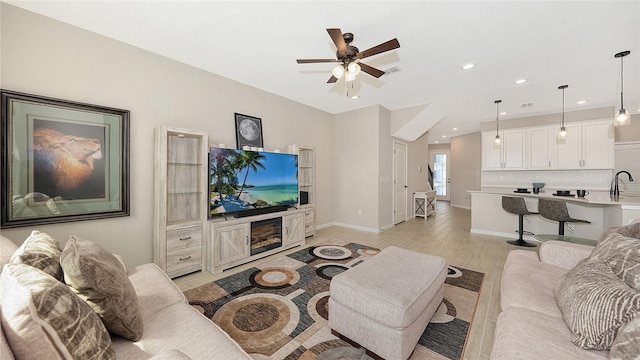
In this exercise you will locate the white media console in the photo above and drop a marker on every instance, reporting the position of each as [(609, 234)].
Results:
[(237, 241)]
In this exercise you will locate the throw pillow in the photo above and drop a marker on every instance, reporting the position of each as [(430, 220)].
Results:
[(595, 303), (40, 251), (98, 278), (622, 254), (43, 319), (626, 345), (632, 230)]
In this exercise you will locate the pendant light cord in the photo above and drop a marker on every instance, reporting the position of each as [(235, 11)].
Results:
[(563, 107), (621, 82)]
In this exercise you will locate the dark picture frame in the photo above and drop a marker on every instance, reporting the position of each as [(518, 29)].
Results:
[(248, 131), (62, 161)]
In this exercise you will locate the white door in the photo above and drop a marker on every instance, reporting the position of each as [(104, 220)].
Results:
[(399, 182), (441, 164)]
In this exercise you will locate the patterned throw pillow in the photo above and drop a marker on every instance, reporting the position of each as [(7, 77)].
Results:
[(595, 303), (622, 254), (98, 278), (43, 319), (40, 251), (626, 346)]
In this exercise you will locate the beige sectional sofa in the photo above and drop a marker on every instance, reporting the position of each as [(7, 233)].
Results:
[(171, 328), (544, 316)]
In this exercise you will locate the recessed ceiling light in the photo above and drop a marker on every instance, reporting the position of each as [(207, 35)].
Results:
[(355, 97), (444, 136), (503, 113), (582, 102), (468, 66), (520, 81), (454, 129)]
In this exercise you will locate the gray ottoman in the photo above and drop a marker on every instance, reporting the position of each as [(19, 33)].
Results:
[(385, 303)]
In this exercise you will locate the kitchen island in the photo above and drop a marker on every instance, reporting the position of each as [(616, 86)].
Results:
[(488, 217)]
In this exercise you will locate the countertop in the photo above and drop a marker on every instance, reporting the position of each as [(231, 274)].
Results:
[(594, 197)]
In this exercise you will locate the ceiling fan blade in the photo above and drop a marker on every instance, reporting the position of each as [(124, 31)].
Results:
[(332, 79), (371, 70), (336, 36), (385, 46), (311, 61)]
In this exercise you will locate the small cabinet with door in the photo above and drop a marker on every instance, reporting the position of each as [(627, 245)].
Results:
[(508, 155), (588, 145), (306, 184), (294, 229), (540, 148), (231, 243)]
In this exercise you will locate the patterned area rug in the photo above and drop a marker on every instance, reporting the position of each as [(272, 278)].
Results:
[(278, 310)]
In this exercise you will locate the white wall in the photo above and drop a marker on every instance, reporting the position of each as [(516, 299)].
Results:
[(465, 168), (45, 57), (355, 163), (385, 170), (417, 173)]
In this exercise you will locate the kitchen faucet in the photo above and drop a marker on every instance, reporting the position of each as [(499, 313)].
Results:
[(615, 190)]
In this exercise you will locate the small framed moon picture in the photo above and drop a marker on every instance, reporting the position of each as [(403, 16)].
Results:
[(248, 131)]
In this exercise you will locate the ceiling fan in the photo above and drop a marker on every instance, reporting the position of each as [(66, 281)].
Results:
[(349, 56)]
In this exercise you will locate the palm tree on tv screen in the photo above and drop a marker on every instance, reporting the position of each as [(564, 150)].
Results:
[(250, 160)]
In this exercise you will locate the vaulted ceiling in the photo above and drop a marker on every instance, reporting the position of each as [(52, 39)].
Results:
[(548, 43)]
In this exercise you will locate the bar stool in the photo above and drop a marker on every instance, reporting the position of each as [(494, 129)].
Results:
[(556, 210), (516, 205)]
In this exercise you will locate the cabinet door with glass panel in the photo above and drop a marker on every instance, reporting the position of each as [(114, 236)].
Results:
[(306, 184), (181, 199)]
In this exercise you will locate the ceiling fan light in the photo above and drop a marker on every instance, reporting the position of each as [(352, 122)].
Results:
[(337, 71), (353, 68), (622, 118), (350, 76)]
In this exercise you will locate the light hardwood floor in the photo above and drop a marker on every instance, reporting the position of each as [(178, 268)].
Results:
[(444, 234)]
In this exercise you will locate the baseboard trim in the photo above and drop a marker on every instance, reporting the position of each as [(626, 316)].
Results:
[(350, 226)]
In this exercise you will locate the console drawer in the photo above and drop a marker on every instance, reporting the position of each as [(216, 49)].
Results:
[(184, 258), (184, 238)]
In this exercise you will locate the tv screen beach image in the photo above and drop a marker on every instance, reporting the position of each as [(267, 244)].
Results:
[(242, 180)]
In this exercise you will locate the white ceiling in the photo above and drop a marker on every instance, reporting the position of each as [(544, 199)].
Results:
[(550, 43)]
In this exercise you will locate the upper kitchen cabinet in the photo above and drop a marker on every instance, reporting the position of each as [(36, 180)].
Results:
[(588, 145), (540, 148), (509, 155)]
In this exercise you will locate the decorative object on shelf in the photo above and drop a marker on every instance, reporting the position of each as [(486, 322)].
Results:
[(622, 116), (62, 161), (563, 131), (248, 131), (497, 140)]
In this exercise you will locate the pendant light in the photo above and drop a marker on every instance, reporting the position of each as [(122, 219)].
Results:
[(497, 140), (622, 116), (563, 131)]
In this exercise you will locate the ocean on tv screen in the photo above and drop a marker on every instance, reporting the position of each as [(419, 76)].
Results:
[(243, 180)]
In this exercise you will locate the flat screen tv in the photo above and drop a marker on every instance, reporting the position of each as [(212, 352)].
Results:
[(245, 182)]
